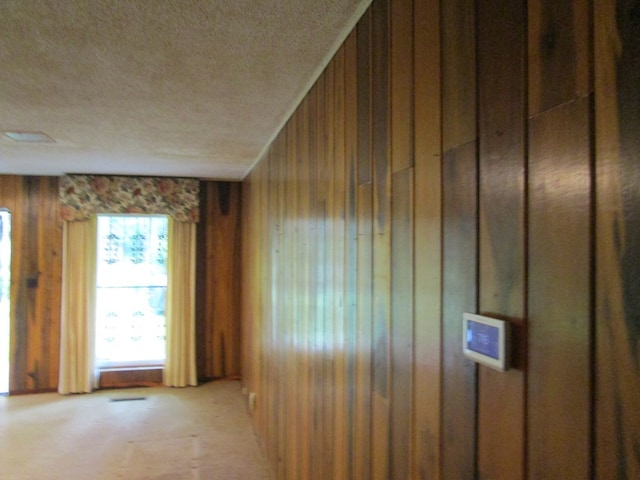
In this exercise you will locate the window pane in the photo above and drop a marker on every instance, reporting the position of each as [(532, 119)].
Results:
[(131, 289), (5, 296)]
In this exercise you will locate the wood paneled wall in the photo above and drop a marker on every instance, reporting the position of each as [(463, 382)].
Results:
[(36, 270), (454, 156), (218, 281)]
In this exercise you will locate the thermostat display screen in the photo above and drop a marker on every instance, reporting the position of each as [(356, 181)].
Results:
[(484, 339)]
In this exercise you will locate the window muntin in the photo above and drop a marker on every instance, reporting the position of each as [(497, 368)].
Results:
[(130, 290)]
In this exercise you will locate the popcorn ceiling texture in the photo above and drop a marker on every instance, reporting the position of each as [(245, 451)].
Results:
[(165, 87)]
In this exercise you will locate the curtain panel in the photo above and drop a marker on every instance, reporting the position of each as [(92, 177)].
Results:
[(77, 339), (84, 196), (180, 364)]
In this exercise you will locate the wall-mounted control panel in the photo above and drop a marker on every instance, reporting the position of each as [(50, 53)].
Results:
[(486, 340)]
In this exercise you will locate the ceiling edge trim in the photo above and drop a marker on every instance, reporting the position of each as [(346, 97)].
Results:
[(340, 39)]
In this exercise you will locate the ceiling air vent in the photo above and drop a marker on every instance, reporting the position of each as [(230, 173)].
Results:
[(29, 137)]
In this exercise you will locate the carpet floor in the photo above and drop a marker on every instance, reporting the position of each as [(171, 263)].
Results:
[(195, 433)]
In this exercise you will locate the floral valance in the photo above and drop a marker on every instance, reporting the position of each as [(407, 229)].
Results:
[(84, 195)]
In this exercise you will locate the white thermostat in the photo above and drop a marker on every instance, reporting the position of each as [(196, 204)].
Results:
[(486, 340)]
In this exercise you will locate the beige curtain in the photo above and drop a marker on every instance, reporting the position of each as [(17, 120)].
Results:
[(180, 364), (77, 337)]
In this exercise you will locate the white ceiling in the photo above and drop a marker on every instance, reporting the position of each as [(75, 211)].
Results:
[(191, 88)]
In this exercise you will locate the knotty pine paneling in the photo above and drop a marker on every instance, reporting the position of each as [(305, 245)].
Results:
[(218, 281), (442, 165), (36, 269)]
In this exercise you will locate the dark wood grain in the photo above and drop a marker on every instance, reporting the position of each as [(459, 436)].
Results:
[(401, 83), (559, 51), (459, 69), (502, 288), (36, 269), (559, 294), (363, 32), (218, 280)]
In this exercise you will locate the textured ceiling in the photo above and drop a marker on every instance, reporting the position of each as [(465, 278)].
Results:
[(158, 87)]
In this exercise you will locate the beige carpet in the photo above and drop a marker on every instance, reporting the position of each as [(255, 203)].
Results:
[(144, 433)]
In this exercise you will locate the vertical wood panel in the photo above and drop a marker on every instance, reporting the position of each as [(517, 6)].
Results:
[(363, 31), (363, 420), (382, 238), (304, 316), (560, 242), (559, 293), (36, 268), (401, 324), (427, 239), (217, 314), (617, 76), (558, 52), (329, 319), (364, 283), (351, 237), (401, 75), (47, 307), (460, 232), (459, 295), (401, 232), (286, 323), (501, 448), (272, 357), (458, 73), (339, 241)]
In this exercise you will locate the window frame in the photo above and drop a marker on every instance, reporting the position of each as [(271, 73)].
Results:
[(127, 364)]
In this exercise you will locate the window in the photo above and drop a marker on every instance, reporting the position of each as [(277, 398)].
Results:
[(131, 284), (5, 297)]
